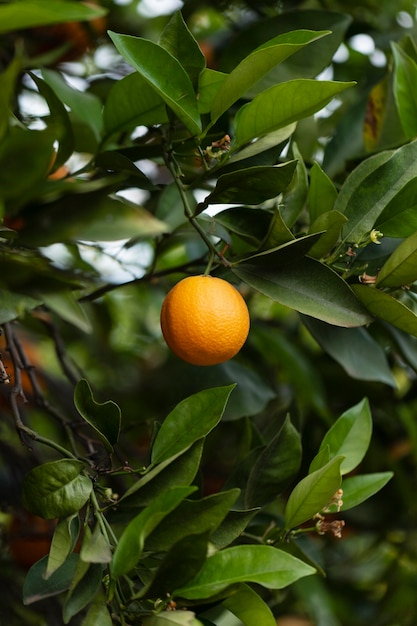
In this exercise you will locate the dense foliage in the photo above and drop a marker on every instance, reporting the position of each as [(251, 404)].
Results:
[(263, 143)]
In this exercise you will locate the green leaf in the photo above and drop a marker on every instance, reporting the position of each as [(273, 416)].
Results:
[(283, 104), (322, 193), (350, 436), (330, 224), (275, 467), (251, 224), (192, 517), (132, 102), (81, 595), (178, 40), (56, 489), (132, 540), (386, 307), (176, 471), (86, 106), (98, 613), (20, 15), (165, 74), (401, 268), (372, 186), (252, 185), (59, 121), (257, 64), (63, 541), (249, 607), (320, 460), (313, 493), (264, 565), (294, 198), (95, 547), (232, 527), (25, 161), (405, 92), (65, 305), (354, 349), (182, 561), (209, 84), (357, 489), (192, 419), (293, 281), (104, 418), (14, 305), (36, 587)]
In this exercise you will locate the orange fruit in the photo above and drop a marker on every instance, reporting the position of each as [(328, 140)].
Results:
[(204, 320)]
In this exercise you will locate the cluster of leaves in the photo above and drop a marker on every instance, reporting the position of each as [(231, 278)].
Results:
[(173, 545), (189, 166)]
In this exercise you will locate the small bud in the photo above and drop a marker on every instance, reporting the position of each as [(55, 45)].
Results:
[(375, 235), (335, 527)]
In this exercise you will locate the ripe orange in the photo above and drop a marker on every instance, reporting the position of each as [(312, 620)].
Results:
[(204, 320)]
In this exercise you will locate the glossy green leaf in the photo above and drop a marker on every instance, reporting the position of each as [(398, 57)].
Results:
[(209, 84), (95, 547), (401, 268), (278, 234), (275, 467), (371, 186), (192, 419), (56, 489), (264, 565), (330, 224), (354, 349), (178, 40), (58, 121), (294, 198), (386, 307), (350, 436), (262, 144), (25, 160), (81, 595), (251, 224), (308, 62), (320, 460), (164, 73), (357, 489), (131, 542), (313, 493), (305, 285), (193, 517), (232, 527), (14, 305), (97, 613), (177, 471), (283, 104), (132, 101), (69, 309), (36, 587), (405, 92), (399, 218), (65, 535), (16, 16), (104, 418), (322, 193), (249, 607), (85, 105), (252, 185), (258, 63), (182, 561)]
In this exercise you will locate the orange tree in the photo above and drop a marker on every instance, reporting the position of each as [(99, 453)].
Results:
[(282, 160)]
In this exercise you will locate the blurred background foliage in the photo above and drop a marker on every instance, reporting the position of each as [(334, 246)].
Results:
[(115, 339)]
